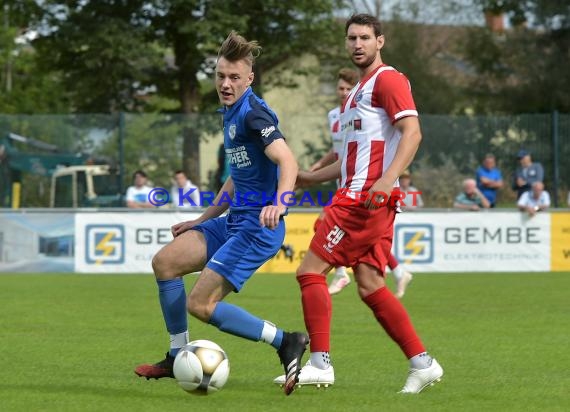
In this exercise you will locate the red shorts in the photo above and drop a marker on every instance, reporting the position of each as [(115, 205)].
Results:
[(317, 223), (319, 219), (351, 234)]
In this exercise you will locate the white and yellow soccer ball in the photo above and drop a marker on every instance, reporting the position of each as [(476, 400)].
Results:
[(201, 367)]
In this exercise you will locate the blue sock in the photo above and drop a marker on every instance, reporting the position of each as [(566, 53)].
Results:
[(235, 320), (173, 303)]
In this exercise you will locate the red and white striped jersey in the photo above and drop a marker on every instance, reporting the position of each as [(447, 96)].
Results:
[(334, 128), (367, 124)]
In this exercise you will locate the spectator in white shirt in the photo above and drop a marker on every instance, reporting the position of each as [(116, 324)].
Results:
[(137, 195), (183, 190), (534, 200)]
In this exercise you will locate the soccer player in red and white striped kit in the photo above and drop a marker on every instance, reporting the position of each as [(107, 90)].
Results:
[(347, 79), (381, 136)]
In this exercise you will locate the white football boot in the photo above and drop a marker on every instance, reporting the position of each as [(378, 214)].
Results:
[(402, 284), (310, 375), (340, 280), (419, 379)]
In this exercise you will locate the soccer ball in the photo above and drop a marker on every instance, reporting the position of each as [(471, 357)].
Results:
[(201, 367)]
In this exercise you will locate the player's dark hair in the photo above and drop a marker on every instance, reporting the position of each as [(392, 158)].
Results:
[(140, 173), (365, 20), (178, 172), (348, 75), (236, 48)]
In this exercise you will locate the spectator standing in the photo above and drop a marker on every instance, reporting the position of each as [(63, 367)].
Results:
[(527, 173), (489, 178), (183, 190)]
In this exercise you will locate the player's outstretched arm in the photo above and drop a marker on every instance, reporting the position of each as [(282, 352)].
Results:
[(218, 205), (325, 174), (326, 160), (281, 155), (214, 210)]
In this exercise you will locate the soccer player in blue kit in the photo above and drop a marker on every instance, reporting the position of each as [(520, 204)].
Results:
[(229, 249)]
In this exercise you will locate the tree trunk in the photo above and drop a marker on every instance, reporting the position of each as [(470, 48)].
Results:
[(189, 99), (191, 154), (495, 21)]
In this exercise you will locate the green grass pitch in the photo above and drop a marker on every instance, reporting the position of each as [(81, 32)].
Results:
[(70, 343)]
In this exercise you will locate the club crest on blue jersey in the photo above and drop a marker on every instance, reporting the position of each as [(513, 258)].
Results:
[(232, 131)]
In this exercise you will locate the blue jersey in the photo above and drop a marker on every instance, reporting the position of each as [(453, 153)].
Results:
[(249, 126)]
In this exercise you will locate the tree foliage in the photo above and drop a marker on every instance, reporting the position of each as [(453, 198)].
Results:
[(113, 51), (114, 54), (147, 55), (23, 87), (519, 70), (101, 48)]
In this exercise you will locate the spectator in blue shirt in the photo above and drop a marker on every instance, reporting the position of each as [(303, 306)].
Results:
[(527, 173), (489, 178)]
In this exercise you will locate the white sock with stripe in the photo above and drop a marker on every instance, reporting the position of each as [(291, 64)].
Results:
[(268, 332), (177, 341)]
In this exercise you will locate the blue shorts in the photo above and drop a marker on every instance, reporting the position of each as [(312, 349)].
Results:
[(237, 245)]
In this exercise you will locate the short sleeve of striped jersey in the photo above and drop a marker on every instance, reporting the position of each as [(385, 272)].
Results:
[(392, 92)]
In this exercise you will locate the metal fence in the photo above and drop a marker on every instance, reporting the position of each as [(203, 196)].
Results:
[(458, 144), (452, 148)]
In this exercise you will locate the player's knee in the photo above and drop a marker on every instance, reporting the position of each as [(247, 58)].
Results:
[(159, 267), (369, 286), (363, 292), (156, 265)]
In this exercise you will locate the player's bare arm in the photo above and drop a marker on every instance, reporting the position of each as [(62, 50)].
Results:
[(214, 210), (281, 155), (325, 174), (326, 160), (407, 148)]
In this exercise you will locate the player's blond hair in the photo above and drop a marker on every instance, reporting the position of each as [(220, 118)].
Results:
[(236, 48)]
